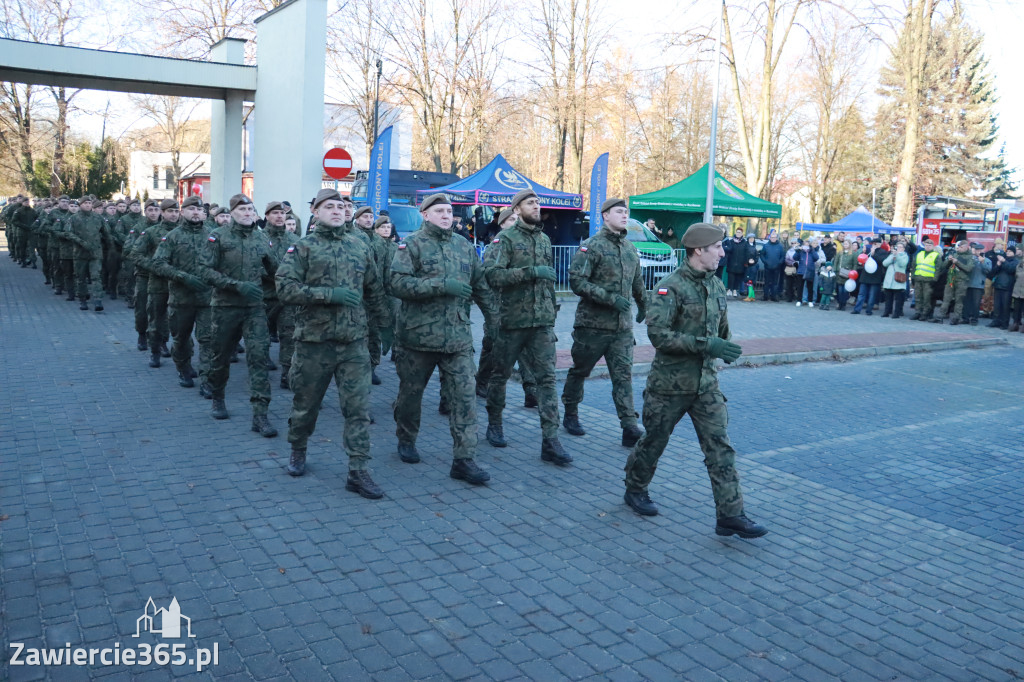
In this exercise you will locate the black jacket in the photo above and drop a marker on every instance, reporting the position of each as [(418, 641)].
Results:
[(1003, 276), (739, 256)]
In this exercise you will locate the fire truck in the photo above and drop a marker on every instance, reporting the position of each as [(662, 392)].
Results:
[(947, 220)]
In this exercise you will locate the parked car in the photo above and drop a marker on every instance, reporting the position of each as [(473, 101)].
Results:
[(657, 258)]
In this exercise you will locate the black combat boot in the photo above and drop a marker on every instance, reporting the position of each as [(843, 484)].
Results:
[(205, 391), (530, 400), (954, 321), (70, 297), (284, 380), (143, 345), (495, 436), (262, 426), (481, 391), (234, 358), (83, 305), (274, 338), (360, 482), (164, 352), (442, 408), (154, 358), (185, 381), (630, 435), (240, 349), (219, 410), (640, 502), (374, 379), (408, 452), (297, 462), (551, 450), (467, 470), (192, 372), (739, 525), (99, 307), (271, 367), (571, 422)]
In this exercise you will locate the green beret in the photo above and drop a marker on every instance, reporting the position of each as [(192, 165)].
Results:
[(505, 215), (168, 204), (612, 203), (275, 206), (152, 202), (522, 195), (217, 210), (433, 200), (702, 235), (325, 194), (361, 210), (383, 220), (193, 200), (239, 200)]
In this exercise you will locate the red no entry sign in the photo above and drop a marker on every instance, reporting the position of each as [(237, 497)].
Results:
[(337, 163)]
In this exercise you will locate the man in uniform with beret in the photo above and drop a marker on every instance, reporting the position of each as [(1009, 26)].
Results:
[(437, 274), (605, 274), (177, 260), (280, 317), (363, 220), (67, 252), (157, 293), (688, 325), (85, 229), (959, 264), (54, 226), (331, 277), (522, 273), (150, 220), (234, 262)]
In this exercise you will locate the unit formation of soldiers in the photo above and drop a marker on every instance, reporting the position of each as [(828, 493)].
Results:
[(346, 294)]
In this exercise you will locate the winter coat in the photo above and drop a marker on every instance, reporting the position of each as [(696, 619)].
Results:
[(773, 255), (805, 261), (878, 276), (827, 283), (1018, 285), (895, 262), (739, 254), (976, 280), (1003, 275), (845, 263)]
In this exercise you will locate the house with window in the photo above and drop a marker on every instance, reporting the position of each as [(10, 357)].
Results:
[(152, 172)]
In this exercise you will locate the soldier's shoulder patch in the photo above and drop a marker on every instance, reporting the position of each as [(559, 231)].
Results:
[(271, 243), (401, 246), (496, 240), (142, 234), (583, 249), (212, 238), (131, 231), (291, 249), (163, 239), (662, 291)]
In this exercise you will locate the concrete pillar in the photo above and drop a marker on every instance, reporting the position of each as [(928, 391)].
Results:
[(226, 129), (288, 136)]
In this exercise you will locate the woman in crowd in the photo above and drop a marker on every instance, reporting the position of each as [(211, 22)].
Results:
[(1003, 274), (894, 286), (846, 262)]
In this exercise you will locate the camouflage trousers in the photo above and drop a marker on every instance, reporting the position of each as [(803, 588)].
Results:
[(487, 366), (710, 419), (924, 299), (141, 303), (87, 277), (953, 297), (158, 330), (182, 319), (67, 275), (21, 246), (54, 272), (281, 318), (231, 323), (373, 344), (313, 367), (414, 368), (589, 346), (113, 271), (535, 348), (44, 256)]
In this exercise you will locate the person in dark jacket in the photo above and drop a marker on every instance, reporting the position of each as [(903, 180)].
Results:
[(806, 257), (1004, 275), (773, 257), (870, 283), (828, 247), (737, 260)]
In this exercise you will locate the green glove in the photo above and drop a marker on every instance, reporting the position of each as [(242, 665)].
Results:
[(544, 272), (727, 350), (453, 287), (195, 284), (622, 304), (343, 296), (253, 292), (641, 315), (387, 339)]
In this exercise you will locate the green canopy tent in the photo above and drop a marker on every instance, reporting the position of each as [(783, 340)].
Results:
[(682, 204)]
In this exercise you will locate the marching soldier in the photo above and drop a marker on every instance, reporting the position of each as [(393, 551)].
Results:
[(85, 230), (67, 253), (53, 227), (280, 317), (157, 293), (689, 327), (151, 217), (332, 277), (437, 273), (605, 274), (363, 220)]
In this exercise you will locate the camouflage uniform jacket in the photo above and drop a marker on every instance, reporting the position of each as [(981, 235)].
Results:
[(233, 255), (380, 249), (86, 231), (144, 249), (63, 229), (280, 240), (177, 256), (24, 218), (436, 322), (607, 265), (964, 264), (129, 245), (686, 309), (316, 264), (524, 301)]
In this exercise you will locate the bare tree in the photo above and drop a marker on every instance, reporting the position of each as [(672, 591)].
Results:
[(188, 29), (171, 116)]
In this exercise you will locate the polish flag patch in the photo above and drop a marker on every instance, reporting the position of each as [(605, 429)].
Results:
[(583, 249), (212, 238), (662, 292), (401, 246), (291, 249), (163, 239), (496, 240)]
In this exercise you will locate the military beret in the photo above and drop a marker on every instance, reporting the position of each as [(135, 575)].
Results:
[(325, 194), (977, 245), (168, 204), (702, 235), (152, 202), (193, 200), (82, 200), (522, 195), (505, 215), (347, 199), (217, 210), (134, 201), (239, 200), (383, 220), (361, 210), (612, 203), (433, 200), (275, 206)]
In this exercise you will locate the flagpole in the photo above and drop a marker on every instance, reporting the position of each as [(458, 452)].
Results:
[(709, 203)]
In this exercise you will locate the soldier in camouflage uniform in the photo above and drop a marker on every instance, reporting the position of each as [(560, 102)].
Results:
[(363, 221), (959, 265), (23, 219), (234, 261), (177, 260), (151, 218), (280, 317), (10, 229), (111, 249), (605, 274), (128, 222), (436, 273), (384, 229), (85, 229), (67, 253), (157, 293), (331, 276), (42, 230), (522, 273), (52, 228), (689, 327)]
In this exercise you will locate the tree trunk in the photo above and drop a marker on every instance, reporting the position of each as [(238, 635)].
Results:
[(60, 142)]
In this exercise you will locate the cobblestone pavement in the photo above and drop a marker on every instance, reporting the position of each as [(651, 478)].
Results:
[(891, 488)]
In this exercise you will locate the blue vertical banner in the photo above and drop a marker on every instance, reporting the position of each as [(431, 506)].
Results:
[(380, 173), (598, 191)]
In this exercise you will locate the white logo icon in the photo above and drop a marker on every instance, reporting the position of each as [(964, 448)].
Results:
[(511, 179), (170, 621)]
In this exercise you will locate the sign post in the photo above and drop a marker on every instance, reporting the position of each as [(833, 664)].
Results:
[(337, 163)]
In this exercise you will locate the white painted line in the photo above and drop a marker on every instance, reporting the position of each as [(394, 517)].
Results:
[(337, 163)]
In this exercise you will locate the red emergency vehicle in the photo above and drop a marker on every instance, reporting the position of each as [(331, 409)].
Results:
[(947, 220)]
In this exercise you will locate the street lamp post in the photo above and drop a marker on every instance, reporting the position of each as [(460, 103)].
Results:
[(710, 200), (376, 101)]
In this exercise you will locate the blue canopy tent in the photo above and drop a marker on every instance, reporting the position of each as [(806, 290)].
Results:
[(860, 221), (496, 183)]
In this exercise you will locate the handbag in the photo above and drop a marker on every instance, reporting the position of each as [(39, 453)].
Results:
[(900, 277), (790, 270)]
